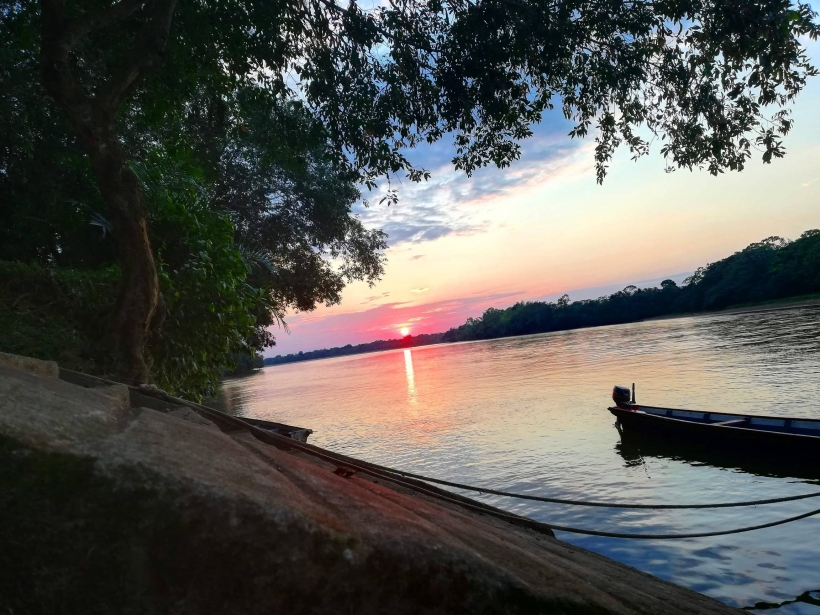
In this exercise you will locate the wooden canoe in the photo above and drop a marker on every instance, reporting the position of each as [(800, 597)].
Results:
[(756, 435), (296, 433)]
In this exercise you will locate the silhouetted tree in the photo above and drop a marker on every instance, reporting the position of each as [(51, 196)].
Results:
[(696, 73)]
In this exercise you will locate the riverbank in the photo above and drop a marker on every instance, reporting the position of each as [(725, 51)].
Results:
[(111, 507), (763, 306)]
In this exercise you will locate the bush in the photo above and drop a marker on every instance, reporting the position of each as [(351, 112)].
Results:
[(55, 314), (60, 315)]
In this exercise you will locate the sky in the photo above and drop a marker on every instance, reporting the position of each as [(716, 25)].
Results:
[(544, 227)]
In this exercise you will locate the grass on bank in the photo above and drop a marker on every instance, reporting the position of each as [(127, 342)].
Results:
[(774, 302), (56, 315), (62, 315)]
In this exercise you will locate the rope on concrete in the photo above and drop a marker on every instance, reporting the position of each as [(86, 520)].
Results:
[(392, 476), (537, 525), (536, 498), (739, 530)]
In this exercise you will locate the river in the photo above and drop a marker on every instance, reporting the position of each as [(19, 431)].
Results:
[(528, 414)]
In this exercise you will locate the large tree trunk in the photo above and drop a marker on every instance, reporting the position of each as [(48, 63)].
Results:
[(94, 118), (139, 291), (137, 304)]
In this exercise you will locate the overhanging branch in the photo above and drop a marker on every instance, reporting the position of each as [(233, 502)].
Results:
[(133, 70), (81, 26)]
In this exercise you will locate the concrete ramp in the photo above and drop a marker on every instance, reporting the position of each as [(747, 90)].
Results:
[(109, 508)]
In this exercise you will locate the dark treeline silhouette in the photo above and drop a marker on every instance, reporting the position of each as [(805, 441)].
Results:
[(772, 269), (245, 364), (339, 351)]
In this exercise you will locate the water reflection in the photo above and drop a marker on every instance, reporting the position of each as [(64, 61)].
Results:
[(412, 395), (812, 597), (635, 448), (529, 415)]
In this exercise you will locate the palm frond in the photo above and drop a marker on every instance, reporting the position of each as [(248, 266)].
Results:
[(160, 175), (257, 257), (97, 219)]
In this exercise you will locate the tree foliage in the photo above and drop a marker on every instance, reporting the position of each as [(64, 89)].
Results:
[(286, 195), (52, 314), (204, 278), (286, 107), (248, 214), (698, 74)]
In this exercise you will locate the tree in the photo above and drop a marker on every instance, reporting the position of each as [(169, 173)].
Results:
[(290, 201), (249, 154), (771, 269), (47, 190), (696, 73), (94, 117)]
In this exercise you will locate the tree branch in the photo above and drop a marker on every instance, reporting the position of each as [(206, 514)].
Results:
[(155, 35), (55, 68), (81, 26), (388, 35)]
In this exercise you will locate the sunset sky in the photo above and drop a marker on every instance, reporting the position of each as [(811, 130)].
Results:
[(543, 227)]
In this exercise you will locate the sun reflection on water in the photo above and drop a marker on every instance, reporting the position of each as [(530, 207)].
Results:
[(412, 394)]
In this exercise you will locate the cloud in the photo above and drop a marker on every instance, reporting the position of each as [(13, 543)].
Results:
[(421, 217), (419, 291), (452, 204), (381, 322), (416, 257), (374, 298), (810, 182)]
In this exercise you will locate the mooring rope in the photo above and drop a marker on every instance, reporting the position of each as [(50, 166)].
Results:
[(537, 498), (539, 526), (739, 530), (391, 474)]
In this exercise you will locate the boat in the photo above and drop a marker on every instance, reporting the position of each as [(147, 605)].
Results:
[(299, 434), (757, 435)]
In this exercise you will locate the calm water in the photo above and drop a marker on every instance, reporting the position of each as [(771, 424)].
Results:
[(528, 414)]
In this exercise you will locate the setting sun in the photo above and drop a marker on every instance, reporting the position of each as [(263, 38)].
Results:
[(405, 331)]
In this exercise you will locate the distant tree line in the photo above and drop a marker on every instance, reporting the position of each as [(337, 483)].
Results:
[(245, 364), (340, 351), (772, 269)]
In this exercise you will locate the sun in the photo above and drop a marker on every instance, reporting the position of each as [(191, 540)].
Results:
[(405, 331)]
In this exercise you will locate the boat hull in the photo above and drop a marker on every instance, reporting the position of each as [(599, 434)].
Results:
[(299, 434), (753, 439)]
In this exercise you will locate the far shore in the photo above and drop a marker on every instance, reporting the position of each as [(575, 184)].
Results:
[(765, 306)]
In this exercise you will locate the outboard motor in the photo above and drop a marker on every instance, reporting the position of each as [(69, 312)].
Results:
[(622, 396)]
